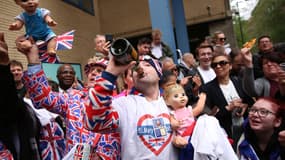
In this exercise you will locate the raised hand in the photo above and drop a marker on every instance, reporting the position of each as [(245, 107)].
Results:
[(17, 25), (28, 48), (247, 57), (106, 48), (185, 80), (13, 26), (118, 69), (51, 23)]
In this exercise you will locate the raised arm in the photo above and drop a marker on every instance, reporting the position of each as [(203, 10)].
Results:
[(46, 16), (50, 21), (37, 83), (100, 115), (17, 25), (248, 81), (200, 105)]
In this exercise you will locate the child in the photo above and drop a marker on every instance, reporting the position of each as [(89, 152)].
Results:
[(37, 22), (182, 117), (168, 77)]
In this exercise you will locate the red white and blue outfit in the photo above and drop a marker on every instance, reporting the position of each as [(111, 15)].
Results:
[(5, 154), (71, 107), (144, 126)]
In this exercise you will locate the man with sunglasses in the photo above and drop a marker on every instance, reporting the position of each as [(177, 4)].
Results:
[(259, 140), (220, 40)]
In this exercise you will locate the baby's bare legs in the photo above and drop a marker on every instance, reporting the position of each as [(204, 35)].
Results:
[(51, 46)]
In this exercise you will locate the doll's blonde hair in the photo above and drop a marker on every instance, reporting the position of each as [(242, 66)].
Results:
[(171, 88)]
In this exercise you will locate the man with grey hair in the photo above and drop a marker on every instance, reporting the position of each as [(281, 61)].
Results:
[(101, 46), (188, 61)]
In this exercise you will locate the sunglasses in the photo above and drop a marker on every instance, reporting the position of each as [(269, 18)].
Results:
[(223, 39), (221, 63)]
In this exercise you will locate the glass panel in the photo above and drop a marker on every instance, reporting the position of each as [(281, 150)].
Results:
[(85, 5)]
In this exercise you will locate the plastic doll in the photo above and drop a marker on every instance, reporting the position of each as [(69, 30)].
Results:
[(183, 117), (37, 22)]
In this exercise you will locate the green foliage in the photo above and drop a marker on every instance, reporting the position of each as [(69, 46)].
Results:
[(268, 18)]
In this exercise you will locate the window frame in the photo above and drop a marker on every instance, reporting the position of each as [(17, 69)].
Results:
[(81, 7)]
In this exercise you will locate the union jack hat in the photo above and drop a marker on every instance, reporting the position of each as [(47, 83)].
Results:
[(101, 63)]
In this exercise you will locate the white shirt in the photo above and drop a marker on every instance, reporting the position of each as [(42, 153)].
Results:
[(207, 75), (145, 128), (210, 141), (230, 94), (229, 91), (157, 51)]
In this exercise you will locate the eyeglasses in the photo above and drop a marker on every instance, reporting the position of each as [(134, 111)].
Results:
[(260, 112), (221, 63), (223, 39)]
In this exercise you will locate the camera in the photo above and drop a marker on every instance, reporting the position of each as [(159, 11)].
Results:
[(123, 51)]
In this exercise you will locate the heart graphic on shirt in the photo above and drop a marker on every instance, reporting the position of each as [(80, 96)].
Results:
[(154, 136)]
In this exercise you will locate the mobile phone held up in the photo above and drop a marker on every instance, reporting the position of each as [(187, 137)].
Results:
[(109, 38)]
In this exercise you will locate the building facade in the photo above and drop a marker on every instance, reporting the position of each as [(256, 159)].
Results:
[(122, 18)]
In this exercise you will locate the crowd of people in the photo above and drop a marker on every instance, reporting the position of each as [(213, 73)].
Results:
[(219, 103)]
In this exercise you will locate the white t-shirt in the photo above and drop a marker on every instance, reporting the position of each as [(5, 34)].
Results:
[(230, 94), (229, 91), (156, 51), (207, 75), (145, 128)]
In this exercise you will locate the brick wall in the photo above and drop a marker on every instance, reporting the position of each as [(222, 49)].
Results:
[(67, 17)]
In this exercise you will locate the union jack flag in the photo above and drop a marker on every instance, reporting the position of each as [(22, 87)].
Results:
[(65, 41)]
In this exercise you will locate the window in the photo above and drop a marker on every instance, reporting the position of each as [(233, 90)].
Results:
[(85, 5), (50, 70)]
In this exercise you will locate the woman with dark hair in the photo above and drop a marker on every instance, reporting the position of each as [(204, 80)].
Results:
[(272, 84), (225, 94)]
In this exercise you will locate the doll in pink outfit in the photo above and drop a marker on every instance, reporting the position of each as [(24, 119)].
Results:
[(183, 117)]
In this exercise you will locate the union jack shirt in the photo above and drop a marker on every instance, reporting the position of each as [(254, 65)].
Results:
[(70, 106), (52, 142), (5, 154)]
